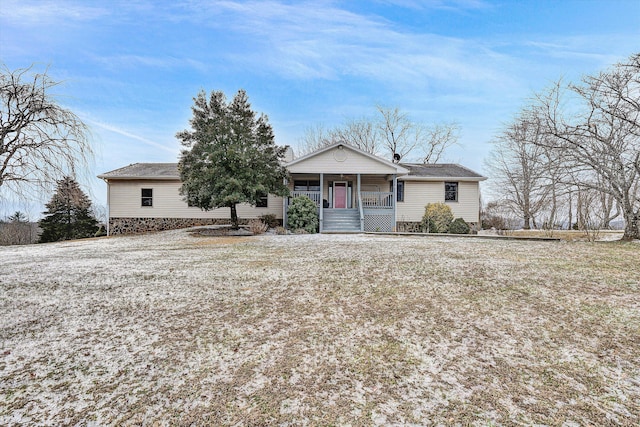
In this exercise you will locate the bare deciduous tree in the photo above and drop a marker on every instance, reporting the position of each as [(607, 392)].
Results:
[(601, 139), (314, 138), (437, 140), (398, 133), (40, 141), (361, 133), (518, 169), (391, 134)]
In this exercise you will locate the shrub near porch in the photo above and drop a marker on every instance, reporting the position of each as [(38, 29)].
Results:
[(303, 215)]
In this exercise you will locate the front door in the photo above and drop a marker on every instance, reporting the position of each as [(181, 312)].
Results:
[(340, 195)]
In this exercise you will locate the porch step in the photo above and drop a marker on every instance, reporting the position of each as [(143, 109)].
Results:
[(341, 220)]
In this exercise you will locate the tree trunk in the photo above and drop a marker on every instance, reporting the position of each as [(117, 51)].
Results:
[(570, 226), (234, 217), (632, 227), (527, 222), (553, 215), (579, 211)]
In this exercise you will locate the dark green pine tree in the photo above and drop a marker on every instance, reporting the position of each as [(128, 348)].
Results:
[(229, 155), (68, 214)]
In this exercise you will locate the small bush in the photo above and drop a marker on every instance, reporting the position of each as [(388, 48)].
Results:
[(300, 231), (493, 221), (494, 215), (256, 226), (437, 218), (270, 220), (459, 226), (303, 214), (280, 230)]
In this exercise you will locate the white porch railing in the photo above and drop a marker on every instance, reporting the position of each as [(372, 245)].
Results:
[(377, 199), (313, 195)]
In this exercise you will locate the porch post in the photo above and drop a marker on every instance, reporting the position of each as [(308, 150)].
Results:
[(321, 202), (285, 206), (394, 201), (108, 207), (360, 207)]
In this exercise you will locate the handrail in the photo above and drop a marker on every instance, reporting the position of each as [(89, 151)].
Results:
[(361, 211), (313, 195), (378, 199)]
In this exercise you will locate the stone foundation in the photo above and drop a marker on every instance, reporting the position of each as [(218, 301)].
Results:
[(416, 227), (408, 227), (143, 225)]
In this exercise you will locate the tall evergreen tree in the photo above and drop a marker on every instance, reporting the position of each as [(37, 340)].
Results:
[(229, 155), (68, 214)]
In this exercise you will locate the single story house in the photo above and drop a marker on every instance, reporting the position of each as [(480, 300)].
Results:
[(354, 191)]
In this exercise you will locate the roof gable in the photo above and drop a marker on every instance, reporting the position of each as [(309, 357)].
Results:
[(343, 158)]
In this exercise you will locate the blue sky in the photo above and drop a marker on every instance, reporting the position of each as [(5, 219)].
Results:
[(131, 68)]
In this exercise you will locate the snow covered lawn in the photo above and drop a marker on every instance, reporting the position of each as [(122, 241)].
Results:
[(171, 328)]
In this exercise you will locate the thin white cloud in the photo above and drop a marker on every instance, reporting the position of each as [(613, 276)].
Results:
[(595, 48), (128, 134), (322, 41), (438, 4), (135, 61), (36, 12)]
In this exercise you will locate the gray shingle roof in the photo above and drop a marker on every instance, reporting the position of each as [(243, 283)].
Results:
[(170, 171), (441, 170), (144, 171)]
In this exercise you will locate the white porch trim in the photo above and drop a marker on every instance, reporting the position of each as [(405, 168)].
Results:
[(321, 216)]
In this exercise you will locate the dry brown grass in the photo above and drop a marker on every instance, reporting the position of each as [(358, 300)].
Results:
[(568, 235), (320, 330)]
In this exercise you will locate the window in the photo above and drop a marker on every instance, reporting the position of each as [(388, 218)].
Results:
[(306, 185), (263, 203), (400, 191), (147, 197), (450, 191)]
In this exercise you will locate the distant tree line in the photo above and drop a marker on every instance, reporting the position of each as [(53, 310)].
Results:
[(17, 229), (572, 156)]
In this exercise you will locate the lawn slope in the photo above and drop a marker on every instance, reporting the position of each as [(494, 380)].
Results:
[(175, 329)]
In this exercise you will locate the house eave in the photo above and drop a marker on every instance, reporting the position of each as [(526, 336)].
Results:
[(442, 178), (139, 178)]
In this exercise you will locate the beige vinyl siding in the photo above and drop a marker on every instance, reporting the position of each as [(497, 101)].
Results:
[(416, 196), (418, 193), (125, 202), (354, 163), (468, 205)]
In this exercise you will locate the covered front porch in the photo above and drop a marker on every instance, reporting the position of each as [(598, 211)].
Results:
[(349, 202), (354, 190)]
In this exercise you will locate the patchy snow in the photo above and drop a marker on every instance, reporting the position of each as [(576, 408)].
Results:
[(172, 328)]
